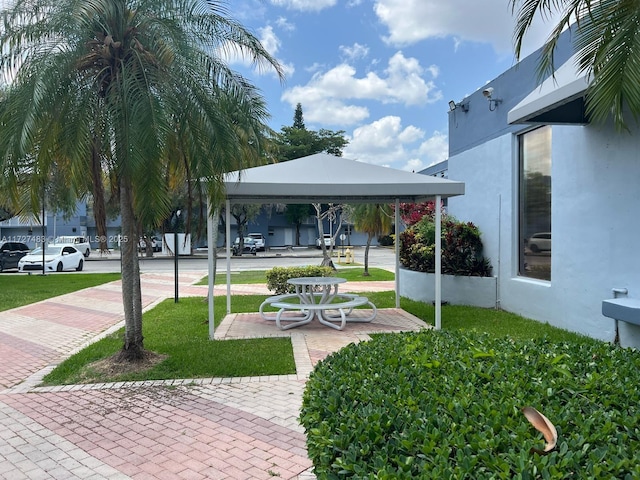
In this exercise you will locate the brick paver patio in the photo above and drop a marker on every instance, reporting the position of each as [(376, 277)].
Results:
[(215, 428)]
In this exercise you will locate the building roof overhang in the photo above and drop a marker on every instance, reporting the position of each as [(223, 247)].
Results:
[(559, 100)]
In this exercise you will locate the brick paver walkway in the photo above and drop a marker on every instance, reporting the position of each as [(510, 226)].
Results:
[(215, 428)]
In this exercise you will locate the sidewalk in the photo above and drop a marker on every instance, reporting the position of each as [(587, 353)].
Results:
[(214, 428)]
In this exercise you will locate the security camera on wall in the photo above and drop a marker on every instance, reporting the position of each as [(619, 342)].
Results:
[(487, 92), (493, 102)]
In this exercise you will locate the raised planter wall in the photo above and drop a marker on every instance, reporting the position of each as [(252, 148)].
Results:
[(456, 290)]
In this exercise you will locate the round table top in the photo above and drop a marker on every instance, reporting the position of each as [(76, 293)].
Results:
[(316, 280)]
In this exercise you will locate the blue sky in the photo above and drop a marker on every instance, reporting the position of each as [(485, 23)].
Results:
[(381, 70)]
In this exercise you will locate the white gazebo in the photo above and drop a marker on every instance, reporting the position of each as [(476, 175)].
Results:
[(323, 178)]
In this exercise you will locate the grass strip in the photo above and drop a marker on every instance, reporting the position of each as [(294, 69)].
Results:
[(18, 289), (352, 274)]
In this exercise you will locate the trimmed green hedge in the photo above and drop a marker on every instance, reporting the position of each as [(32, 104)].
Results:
[(277, 277), (448, 405)]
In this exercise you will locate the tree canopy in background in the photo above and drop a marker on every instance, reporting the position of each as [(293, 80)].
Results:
[(297, 141), (296, 213)]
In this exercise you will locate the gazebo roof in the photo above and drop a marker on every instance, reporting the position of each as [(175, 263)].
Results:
[(325, 178)]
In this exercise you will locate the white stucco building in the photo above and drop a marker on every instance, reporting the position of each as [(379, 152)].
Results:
[(532, 163)]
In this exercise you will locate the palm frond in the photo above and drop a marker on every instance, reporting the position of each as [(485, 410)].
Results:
[(606, 36)]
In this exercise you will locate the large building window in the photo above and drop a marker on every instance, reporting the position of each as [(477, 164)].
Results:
[(535, 203)]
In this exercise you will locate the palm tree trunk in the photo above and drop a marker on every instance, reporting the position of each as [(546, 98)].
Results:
[(187, 224), (133, 348), (366, 255), (214, 245), (99, 208)]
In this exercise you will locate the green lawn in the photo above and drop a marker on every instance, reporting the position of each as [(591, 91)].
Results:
[(352, 274), (19, 289), (495, 322), (180, 330)]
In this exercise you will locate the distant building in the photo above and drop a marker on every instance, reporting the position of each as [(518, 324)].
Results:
[(271, 222), (440, 170)]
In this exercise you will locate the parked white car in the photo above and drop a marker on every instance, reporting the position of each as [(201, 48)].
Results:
[(56, 259), (539, 242), (328, 241), (81, 243), (156, 244), (259, 241)]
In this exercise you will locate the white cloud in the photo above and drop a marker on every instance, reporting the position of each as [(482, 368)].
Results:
[(405, 80), (304, 5), (327, 111), (271, 44), (269, 39), (414, 165), (285, 24), (489, 21), (314, 67), (384, 142), (327, 95), (435, 149), (410, 134), (354, 52)]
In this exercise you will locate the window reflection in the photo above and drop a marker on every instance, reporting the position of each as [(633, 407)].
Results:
[(535, 203)]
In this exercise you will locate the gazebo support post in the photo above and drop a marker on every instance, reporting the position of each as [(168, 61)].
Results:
[(211, 252), (228, 233), (438, 302), (397, 249)]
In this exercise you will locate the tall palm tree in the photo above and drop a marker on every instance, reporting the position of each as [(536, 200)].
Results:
[(143, 81), (606, 36), (373, 219)]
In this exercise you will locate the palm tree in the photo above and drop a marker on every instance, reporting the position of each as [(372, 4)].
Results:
[(143, 82), (607, 42), (373, 219)]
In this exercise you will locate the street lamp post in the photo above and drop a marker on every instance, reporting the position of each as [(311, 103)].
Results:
[(175, 253)]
